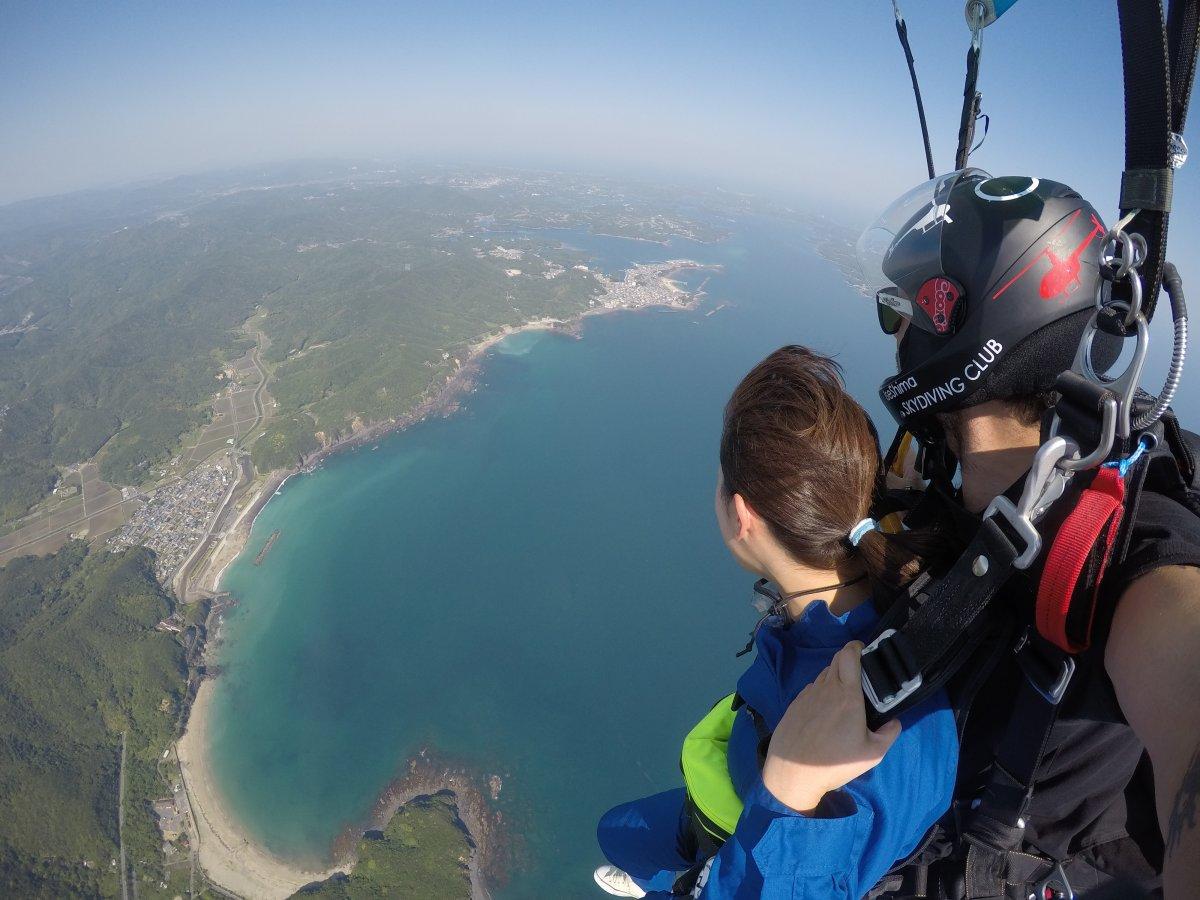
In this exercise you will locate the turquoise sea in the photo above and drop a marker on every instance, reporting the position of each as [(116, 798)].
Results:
[(534, 585)]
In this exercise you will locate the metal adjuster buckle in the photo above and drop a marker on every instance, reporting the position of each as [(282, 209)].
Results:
[(888, 701), (1045, 890), (1052, 693)]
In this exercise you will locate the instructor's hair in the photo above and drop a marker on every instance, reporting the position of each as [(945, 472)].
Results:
[(805, 457)]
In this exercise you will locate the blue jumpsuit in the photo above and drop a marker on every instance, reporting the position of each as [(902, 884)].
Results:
[(859, 831)]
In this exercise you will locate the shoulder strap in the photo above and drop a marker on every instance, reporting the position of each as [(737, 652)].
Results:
[(1159, 61)]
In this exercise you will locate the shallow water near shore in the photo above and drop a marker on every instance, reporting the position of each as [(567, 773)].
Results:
[(534, 585)]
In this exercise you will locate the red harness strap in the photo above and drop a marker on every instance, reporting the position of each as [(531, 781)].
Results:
[(1097, 513)]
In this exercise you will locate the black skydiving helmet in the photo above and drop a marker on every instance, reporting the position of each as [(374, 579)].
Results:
[(977, 265)]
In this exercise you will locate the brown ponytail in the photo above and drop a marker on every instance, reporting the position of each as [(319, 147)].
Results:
[(805, 457)]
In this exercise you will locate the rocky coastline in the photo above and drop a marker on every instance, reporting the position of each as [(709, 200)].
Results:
[(429, 773)]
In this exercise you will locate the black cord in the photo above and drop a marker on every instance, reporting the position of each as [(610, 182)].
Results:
[(902, 33)]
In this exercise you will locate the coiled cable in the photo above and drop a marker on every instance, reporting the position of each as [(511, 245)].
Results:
[(1173, 285)]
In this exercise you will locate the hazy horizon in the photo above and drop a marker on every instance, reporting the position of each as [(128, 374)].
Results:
[(814, 103)]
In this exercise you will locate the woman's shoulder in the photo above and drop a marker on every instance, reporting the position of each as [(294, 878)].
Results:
[(924, 758)]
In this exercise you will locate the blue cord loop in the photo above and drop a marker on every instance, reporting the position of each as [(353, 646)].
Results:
[(859, 530), (1145, 442)]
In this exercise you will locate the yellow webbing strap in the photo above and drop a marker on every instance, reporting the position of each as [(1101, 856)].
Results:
[(901, 454), (705, 764), (892, 523)]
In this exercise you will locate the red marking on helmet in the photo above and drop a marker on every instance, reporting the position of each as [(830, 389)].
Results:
[(1064, 279), (937, 297), (1063, 276)]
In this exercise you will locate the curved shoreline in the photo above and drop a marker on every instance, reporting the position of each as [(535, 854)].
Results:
[(229, 858)]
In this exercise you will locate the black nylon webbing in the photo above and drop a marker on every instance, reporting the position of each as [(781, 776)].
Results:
[(970, 109), (958, 599), (1158, 53), (1183, 40), (1018, 756), (1147, 81), (902, 33), (944, 630)]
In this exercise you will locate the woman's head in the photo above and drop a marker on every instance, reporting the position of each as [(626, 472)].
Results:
[(800, 467)]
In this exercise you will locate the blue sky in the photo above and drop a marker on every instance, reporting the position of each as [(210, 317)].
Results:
[(797, 98)]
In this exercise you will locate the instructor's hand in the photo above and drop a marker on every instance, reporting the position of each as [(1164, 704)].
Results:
[(823, 743)]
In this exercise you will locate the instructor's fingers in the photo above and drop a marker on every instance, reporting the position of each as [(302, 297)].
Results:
[(886, 734), (849, 663)]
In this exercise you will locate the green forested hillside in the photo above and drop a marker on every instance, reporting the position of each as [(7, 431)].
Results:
[(117, 314), (421, 855), (80, 663)]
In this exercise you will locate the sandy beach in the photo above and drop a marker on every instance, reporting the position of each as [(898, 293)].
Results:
[(227, 856)]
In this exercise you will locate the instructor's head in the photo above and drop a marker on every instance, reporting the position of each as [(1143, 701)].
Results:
[(988, 284)]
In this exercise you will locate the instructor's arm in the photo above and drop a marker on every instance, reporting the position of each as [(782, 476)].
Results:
[(1153, 659)]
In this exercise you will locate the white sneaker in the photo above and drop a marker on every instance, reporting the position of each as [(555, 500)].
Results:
[(616, 882)]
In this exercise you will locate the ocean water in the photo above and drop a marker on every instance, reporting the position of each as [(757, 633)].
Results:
[(534, 585)]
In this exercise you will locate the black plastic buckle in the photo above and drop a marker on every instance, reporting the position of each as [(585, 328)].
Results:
[(888, 661), (1049, 678)]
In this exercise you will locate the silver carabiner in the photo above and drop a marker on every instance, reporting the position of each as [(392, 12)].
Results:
[(1058, 877), (1045, 483), (1108, 433), (1047, 477)]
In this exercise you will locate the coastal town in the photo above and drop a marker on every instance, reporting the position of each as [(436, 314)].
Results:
[(178, 516), (648, 284)]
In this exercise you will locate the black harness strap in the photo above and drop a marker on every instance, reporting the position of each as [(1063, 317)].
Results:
[(1159, 61), (1009, 792), (903, 667), (1183, 41)]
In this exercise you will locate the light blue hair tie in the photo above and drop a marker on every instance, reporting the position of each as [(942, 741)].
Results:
[(857, 532)]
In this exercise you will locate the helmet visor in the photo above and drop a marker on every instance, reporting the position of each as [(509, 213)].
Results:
[(905, 239)]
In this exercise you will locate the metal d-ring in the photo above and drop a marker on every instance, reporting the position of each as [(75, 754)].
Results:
[(1132, 247)]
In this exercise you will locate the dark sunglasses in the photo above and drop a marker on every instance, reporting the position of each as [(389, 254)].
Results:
[(889, 320), (890, 317)]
